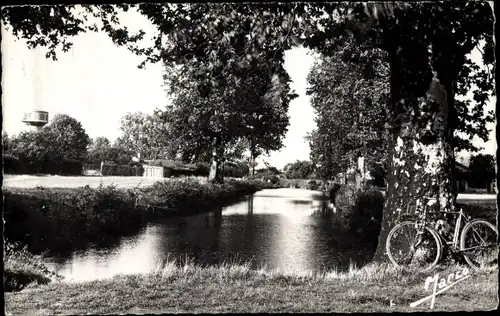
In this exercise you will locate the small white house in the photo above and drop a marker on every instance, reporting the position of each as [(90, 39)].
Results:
[(153, 171)]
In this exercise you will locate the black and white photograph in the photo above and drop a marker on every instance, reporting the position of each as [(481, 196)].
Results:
[(249, 157)]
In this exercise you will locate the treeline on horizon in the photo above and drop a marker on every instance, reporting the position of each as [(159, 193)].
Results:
[(63, 147)]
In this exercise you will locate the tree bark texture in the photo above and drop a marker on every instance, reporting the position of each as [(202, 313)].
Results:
[(215, 174), (418, 166), (252, 165)]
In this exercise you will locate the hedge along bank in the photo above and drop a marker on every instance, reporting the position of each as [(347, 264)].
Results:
[(67, 219)]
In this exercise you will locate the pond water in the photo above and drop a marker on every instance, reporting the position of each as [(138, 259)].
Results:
[(287, 229)]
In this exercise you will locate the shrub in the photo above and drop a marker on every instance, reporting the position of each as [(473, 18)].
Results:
[(485, 211), (235, 170), (58, 219), (361, 211), (71, 167), (138, 170), (92, 166), (368, 212), (273, 179), (23, 165), (65, 219), (346, 198), (176, 172), (202, 169), (108, 169), (12, 165), (314, 185), (289, 183), (21, 268)]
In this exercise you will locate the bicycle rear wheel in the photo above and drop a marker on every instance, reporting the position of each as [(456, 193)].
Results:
[(479, 245), (414, 248)]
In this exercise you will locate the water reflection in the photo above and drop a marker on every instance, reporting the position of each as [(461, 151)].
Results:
[(288, 229)]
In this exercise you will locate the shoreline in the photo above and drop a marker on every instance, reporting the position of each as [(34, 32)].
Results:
[(48, 221), (11, 181), (236, 288), (106, 211), (67, 219)]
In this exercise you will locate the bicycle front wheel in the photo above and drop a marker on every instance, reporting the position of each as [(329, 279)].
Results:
[(414, 248), (479, 245)]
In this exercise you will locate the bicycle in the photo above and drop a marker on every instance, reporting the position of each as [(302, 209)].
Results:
[(425, 243)]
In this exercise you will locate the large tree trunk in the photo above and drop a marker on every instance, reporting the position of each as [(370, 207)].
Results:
[(215, 175), (252, 164), (252, 159), (418, 166)]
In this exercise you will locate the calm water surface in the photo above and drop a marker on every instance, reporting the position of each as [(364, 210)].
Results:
[(288, 229)]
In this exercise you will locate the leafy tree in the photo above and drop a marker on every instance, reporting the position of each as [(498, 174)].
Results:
[(33, 148), (101, 150), (236, 153), (68, 139), (482, 170), (251, 106), (63, 140), (146, 135), (120, 155), (188, 143), (350, 100), (98, 150), (5, 142), (427, 44), (53, 26), (300, 169), (133, 134), (266, 117), (161, 142), (195, 37)]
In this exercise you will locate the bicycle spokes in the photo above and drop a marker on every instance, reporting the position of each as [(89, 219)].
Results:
[(413, 247), (479, 245)]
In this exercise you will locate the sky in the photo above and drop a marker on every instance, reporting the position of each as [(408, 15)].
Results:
[(97, 83)]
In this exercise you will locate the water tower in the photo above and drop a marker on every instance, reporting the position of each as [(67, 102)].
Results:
[(36, 119)]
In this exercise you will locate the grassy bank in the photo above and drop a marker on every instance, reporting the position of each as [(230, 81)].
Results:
[(71, 218), (44, 220), (237, 288), (22, 268)]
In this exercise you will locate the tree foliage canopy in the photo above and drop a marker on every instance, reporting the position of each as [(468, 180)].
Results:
[(428, 46), (219, 37), (68, 137), (250, 108), (481, 170), (62, 140), (300, 169), (149, 135), (350, 98), (101, 150)]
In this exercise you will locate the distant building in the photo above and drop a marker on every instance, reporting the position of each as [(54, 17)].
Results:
[(164, 168), (36, 119)]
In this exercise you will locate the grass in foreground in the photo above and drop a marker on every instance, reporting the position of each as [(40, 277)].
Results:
[(237, 288), (22, 268)]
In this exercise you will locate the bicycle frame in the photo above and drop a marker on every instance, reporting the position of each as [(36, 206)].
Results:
[(416, 216), (462, 217)]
